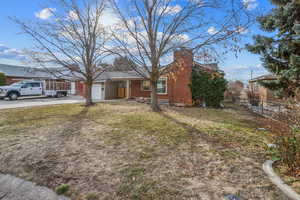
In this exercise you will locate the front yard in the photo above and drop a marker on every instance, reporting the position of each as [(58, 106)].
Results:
[(124, 151)]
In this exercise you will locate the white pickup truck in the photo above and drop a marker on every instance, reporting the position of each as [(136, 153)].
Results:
[(51, 88)]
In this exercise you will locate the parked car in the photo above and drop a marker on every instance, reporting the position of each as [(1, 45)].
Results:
[(51, 88)]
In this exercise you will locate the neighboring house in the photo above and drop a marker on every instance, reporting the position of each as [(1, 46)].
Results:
[(15, 74), (173, 86), (264, 94), (234, 91)]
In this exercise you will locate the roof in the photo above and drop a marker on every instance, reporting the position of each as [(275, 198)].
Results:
[(264, 77), (22, 71), (119, 75), (211, 66)]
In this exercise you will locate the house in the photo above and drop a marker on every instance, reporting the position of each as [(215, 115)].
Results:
[(15, 73), (173, 86), (234, 91), (262, 93)]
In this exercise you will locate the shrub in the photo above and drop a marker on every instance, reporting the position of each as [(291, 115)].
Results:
[(92, 196), (289, 152), (62, 189), (2, 79), (208, 87), (288, 142)]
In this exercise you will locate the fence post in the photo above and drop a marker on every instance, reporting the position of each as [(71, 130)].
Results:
[(262, 107)]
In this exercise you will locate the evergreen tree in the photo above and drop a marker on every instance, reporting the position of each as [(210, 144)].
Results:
[(208, 87), (2, 79), (280, 54)]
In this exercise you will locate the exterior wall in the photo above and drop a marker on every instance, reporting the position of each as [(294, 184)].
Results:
[(263, 93), (178, 80), (136, 90), (80, 88), (110, 90)]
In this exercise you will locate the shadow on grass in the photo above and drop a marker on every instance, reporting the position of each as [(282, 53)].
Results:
[(75, 123)]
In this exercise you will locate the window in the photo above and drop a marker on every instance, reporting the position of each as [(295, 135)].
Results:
[(35, 85), (161, 86), (146, 86)]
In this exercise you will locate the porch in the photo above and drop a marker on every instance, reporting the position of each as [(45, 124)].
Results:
[(117, 89)]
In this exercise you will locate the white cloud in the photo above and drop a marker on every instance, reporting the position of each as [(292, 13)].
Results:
[(45, 13), (109, 18), (72, 15), (250, 4), (242, 30), (10, 53), (243, 72), (212, 30), (171, 10)]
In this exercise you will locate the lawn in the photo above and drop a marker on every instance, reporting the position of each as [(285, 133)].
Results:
[(123, 150)]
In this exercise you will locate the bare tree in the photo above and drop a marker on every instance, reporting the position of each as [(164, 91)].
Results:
[(122, 64), (150, 30), (73, 39)]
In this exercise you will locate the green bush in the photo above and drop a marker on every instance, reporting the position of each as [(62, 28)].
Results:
[(288, 147), (208, 87), (92, 196), (62, 189), (288, 140), (2, 79)]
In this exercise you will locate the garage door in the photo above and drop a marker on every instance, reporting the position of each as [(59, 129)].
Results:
[(97, 92)]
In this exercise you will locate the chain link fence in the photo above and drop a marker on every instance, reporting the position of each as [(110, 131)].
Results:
[(264, 108)]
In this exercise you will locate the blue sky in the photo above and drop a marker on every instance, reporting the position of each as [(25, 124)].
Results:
[(12, 42)]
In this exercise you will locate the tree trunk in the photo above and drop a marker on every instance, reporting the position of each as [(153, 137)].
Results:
[(154, 100), (88, 93)]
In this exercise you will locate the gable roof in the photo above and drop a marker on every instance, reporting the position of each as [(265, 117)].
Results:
[(26, 72), (119, 75), (210, 67), (264, 77)]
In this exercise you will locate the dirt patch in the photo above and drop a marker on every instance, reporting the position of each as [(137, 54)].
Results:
[(124, 151)]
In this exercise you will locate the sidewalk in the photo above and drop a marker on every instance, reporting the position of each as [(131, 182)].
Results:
[(4, 104), (12, 188)]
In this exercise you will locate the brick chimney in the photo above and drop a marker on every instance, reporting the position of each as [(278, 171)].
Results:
[(184, 54), (179, 91)]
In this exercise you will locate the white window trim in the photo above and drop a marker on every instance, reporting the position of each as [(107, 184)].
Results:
[(142, 88), (165, 78)]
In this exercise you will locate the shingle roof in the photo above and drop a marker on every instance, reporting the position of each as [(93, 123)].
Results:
[(119, 75), (26, 72), (264, 77)]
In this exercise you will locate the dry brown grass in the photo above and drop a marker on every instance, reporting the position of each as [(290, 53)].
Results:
[(124, 151)]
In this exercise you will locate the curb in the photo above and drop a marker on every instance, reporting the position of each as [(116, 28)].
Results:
[(275, 179)]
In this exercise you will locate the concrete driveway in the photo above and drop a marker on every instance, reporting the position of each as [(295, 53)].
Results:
[(40, 101)]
